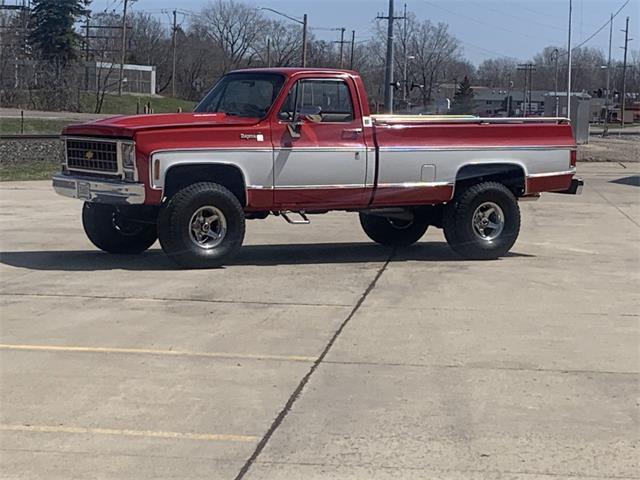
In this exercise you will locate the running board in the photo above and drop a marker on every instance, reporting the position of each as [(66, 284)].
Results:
[(304, 221)]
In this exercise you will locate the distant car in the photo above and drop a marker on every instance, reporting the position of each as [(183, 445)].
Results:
[(283, 141)]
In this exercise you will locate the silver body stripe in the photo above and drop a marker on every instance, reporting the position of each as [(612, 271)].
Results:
[(353, 167)]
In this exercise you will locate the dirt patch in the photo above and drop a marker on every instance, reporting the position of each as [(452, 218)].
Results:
[(624, 148)]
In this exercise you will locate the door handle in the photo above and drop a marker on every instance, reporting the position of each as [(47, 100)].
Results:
[(351, 132)]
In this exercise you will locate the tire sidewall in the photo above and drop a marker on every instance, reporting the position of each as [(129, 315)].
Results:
[(99, 223), (509, 208), (458, 228), (174, 226)]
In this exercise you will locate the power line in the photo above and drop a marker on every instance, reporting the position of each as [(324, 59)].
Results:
[(517, 17), (481, 22), (603, 26)]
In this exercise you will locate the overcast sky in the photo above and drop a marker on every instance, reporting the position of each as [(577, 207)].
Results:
[(486, 28)]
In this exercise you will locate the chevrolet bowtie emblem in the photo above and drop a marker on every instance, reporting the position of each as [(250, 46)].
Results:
[(88, 155)]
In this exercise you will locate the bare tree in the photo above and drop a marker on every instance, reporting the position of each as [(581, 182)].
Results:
[(434, 49), (497, 72), (280, 42), (234, 27)]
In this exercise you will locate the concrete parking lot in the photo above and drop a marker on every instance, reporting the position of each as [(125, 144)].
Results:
[(319, 355)]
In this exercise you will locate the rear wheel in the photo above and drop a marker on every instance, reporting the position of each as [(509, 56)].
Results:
[(393, 232), (483, 222), (112, 232), (202, 226)]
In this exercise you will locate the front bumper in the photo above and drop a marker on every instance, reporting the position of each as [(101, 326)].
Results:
[(575, 188), (99, 190)]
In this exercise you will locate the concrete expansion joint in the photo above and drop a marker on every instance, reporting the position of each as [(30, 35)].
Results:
[(162, 299), (303, 382)]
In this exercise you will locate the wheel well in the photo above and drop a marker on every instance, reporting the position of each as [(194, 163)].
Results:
[(510, 175), (228, 176)]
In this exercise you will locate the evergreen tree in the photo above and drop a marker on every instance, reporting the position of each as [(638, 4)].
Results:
[(52, 35), (463, 99)]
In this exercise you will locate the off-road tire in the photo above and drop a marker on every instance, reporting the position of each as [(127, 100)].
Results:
[(174, 225), (112, 233), (395, 233), (458, 221)]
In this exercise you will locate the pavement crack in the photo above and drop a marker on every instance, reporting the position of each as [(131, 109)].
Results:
[(615, 206), (303, 382)]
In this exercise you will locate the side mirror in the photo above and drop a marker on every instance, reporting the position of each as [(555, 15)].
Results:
[(306, 112), (294, 129)]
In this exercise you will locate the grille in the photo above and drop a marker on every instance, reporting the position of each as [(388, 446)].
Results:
[(92, 155)]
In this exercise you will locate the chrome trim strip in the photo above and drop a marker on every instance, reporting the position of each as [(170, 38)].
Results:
[(100, 191), (384, 185), (212, 149), (416, 184), (552, 174), (318, 187), (321, 149), (479, 148), (465, 119)]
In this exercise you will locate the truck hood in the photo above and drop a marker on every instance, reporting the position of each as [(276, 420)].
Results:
[(127, 126)]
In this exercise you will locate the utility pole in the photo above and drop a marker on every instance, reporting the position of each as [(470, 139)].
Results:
[(509, 87), (305, 24), (86, 54), (124, 46), (353, 47), (269, 52), (605, 130), (624, 74), (342, 42), (175, 45), (405, 80), (527, 69), (388, 72), (556, 54), (569, 65)]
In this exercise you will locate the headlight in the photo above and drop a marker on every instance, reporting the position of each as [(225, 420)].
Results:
[(129, 155)]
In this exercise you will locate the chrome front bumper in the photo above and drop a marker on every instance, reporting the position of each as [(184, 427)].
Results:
[(99, 190)]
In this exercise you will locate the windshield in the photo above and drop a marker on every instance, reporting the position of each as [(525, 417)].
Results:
[(243, 94)]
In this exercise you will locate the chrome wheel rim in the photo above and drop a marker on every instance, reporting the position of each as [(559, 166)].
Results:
[(208, 227), (488, 221)]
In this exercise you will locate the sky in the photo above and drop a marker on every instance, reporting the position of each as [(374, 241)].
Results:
[(486, 28)]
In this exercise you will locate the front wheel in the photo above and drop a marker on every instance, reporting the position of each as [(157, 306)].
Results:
[(393, 232), (202, 226), (483, 222), (114, 233)]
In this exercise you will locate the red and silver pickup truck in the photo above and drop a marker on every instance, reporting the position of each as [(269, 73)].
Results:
[(300, 142)]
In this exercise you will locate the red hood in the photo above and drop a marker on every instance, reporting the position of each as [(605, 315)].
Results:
[(127, 126)]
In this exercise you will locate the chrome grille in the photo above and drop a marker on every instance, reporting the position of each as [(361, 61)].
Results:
[(92, 155)]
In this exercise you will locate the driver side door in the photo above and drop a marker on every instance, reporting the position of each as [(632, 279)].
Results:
[(322, 160)]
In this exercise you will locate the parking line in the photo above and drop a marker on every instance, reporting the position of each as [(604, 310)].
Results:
[(147, 351), (129, 433)]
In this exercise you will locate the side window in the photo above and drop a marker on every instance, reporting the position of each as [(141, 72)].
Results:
[(331, 98)]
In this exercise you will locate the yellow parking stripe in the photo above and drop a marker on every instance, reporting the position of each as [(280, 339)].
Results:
[(129, 433), (147, 351)]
